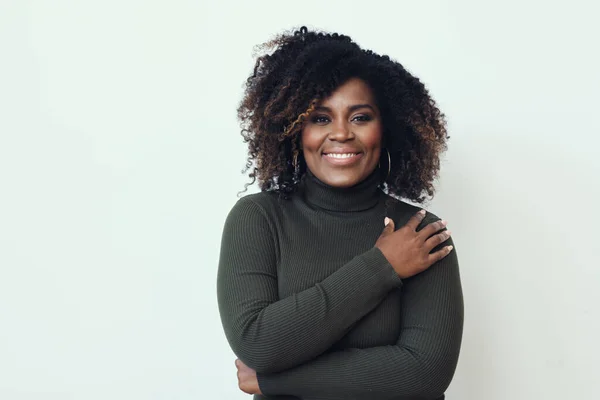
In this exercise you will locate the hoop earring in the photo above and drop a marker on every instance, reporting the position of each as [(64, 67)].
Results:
[(389, 165)]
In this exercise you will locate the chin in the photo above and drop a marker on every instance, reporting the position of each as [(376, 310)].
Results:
[(342, 180)]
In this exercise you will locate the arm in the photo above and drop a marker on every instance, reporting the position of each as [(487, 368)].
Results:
[(420, 365), (270, 334)]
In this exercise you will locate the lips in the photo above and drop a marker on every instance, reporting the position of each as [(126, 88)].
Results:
[(342, 157), (343, 150)]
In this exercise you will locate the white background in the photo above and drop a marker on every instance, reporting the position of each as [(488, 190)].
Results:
[(120, 156)]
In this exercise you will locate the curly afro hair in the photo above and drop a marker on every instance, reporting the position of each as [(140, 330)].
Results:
[(306, 67)]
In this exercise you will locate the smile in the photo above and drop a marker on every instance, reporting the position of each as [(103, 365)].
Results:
[(342, 158)]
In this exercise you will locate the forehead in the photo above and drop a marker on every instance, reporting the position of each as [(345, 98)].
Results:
[(353, 91)]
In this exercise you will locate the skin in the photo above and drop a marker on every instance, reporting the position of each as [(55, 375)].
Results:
[(348, 119)]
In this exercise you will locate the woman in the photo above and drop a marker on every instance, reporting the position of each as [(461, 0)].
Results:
[(321, 297)]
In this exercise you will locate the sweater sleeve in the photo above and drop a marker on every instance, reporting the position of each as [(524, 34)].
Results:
[(420, 364), (270, 334)]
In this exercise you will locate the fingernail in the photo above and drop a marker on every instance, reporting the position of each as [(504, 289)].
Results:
[(422, 212), (387, 221), (444, 222), (450, 248)]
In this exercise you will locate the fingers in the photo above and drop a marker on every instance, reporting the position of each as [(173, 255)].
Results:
[(435, 240), (432, 228), (416, 219), (438, 255), (389, 226)]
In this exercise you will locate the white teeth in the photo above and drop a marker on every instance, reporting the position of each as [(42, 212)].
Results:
[(340, 155)]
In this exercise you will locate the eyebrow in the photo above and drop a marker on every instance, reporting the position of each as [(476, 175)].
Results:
[(350, 108)]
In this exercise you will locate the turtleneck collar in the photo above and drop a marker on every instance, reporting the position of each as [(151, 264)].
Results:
[(362, 196)]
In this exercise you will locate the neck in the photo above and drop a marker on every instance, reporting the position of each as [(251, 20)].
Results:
[(362, 196)]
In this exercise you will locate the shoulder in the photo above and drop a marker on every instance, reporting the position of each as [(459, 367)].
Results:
[(256, 207), (249, 228), (263, 202)]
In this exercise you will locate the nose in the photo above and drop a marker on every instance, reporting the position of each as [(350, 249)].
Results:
[(341, 132)]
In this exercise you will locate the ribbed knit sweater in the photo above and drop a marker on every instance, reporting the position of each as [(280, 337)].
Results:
[(310, 303)]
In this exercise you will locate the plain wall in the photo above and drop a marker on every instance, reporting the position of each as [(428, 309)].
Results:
[(120, 156)]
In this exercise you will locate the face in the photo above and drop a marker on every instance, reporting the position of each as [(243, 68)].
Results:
[(341, 139)]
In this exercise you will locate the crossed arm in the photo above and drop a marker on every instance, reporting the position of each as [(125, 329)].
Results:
[(286, 341)]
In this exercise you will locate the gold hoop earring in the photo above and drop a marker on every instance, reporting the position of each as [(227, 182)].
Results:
[(389, 165)]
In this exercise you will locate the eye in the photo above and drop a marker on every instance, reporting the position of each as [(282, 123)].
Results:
[(320, 119), (362, 118)]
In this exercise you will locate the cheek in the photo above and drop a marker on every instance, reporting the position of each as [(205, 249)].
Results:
[(309, 140), (373, 137)]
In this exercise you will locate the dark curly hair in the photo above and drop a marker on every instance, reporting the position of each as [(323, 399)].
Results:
[(306, 67)]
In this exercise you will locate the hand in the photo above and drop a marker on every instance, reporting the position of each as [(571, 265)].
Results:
[(247, 380), (408, 250)]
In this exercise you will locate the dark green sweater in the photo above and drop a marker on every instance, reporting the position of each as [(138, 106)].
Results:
[(309, 303)]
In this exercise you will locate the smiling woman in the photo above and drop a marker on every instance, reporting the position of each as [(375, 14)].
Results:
[(341, 141), (320, 295)]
